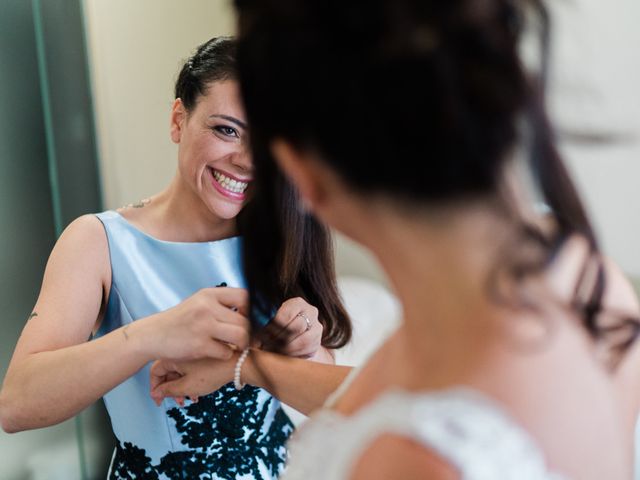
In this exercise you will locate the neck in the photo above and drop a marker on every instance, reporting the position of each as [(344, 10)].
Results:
[(439, 268), (185, 218)]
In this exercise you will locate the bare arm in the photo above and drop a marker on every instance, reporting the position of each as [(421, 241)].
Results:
[(55, 373), (51, 358), (302, 384)]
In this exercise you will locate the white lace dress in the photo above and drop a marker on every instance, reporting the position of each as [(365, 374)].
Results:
[(467, 429)]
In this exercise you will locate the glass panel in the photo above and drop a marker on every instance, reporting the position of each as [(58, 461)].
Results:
[(48, 176), (26, 219), (72, 156)]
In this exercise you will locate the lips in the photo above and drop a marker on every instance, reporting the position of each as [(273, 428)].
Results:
[(228, 186)]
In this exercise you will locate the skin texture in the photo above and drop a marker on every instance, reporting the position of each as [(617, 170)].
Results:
[(411, 461), (52, 357)]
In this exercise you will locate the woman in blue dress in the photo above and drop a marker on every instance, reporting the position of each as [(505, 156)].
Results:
[(163, 279)]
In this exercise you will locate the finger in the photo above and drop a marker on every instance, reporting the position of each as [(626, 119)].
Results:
[(167, 369), (269, 333), (158, 397), (160, 368), (304, 345), (301, 325), (159, 371), (155, 377), (235, 336), (294, 318), (292, 307), (290, 323), (178, 389), (154, 396), (232, 298), (294, 333), (172, 376), (281, 329), (284, 315), (225, 315), (218, 350), (270, 341)]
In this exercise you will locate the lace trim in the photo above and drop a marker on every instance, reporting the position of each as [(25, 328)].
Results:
[(465, 427)]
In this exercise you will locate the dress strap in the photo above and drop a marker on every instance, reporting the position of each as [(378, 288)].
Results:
[(342, 388), (476, 436)]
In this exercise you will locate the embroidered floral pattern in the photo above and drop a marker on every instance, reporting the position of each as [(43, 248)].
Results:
[(227, 435)]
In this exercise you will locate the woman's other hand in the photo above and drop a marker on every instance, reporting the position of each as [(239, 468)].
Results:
[(190, 379), (294, 331), (212, 323)]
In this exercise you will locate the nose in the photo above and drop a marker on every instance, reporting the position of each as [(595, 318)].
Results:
[(242, 160)]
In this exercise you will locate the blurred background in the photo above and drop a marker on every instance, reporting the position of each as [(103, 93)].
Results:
[(84, 113)]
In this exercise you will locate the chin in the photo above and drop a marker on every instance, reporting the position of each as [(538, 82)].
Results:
[(225, 212)]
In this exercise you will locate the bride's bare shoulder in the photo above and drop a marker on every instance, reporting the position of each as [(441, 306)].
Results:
[(395, 456)]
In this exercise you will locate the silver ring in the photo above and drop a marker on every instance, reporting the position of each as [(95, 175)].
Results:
[(306, 319)]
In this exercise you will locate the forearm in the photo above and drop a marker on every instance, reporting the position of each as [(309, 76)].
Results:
[(302, 384), (49, 387)]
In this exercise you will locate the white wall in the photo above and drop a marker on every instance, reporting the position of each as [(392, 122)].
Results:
[(596, 89)]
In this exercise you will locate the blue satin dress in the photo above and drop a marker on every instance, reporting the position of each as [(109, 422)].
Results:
[(228, 434)]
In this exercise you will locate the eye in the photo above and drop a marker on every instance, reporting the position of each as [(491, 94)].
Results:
[(227, 131)]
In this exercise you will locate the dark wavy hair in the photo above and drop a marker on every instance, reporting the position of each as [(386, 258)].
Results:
[(213, 61), (436, 84), (304, 262)]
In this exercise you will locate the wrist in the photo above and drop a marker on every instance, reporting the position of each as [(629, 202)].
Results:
[(250, 374), (237, 371), (138, 341)]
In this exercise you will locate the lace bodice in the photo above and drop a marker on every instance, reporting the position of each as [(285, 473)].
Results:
[(467, 429)]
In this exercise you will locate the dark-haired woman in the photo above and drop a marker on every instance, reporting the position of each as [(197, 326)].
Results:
[(400, 122), (163, 279)]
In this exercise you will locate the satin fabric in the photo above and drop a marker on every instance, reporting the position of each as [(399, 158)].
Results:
[(150, 276)]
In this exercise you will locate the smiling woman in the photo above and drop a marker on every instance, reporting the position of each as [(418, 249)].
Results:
[(213, 156)]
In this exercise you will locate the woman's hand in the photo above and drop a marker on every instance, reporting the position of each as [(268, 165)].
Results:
[(191, 379), (212, 323), (294, 331)]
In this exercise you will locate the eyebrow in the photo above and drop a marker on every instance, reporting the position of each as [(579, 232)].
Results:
[(240, 123)]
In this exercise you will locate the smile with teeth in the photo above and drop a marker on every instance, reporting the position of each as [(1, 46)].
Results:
[(235, 186)]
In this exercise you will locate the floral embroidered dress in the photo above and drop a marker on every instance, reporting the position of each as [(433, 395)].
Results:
[(226, 435)]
